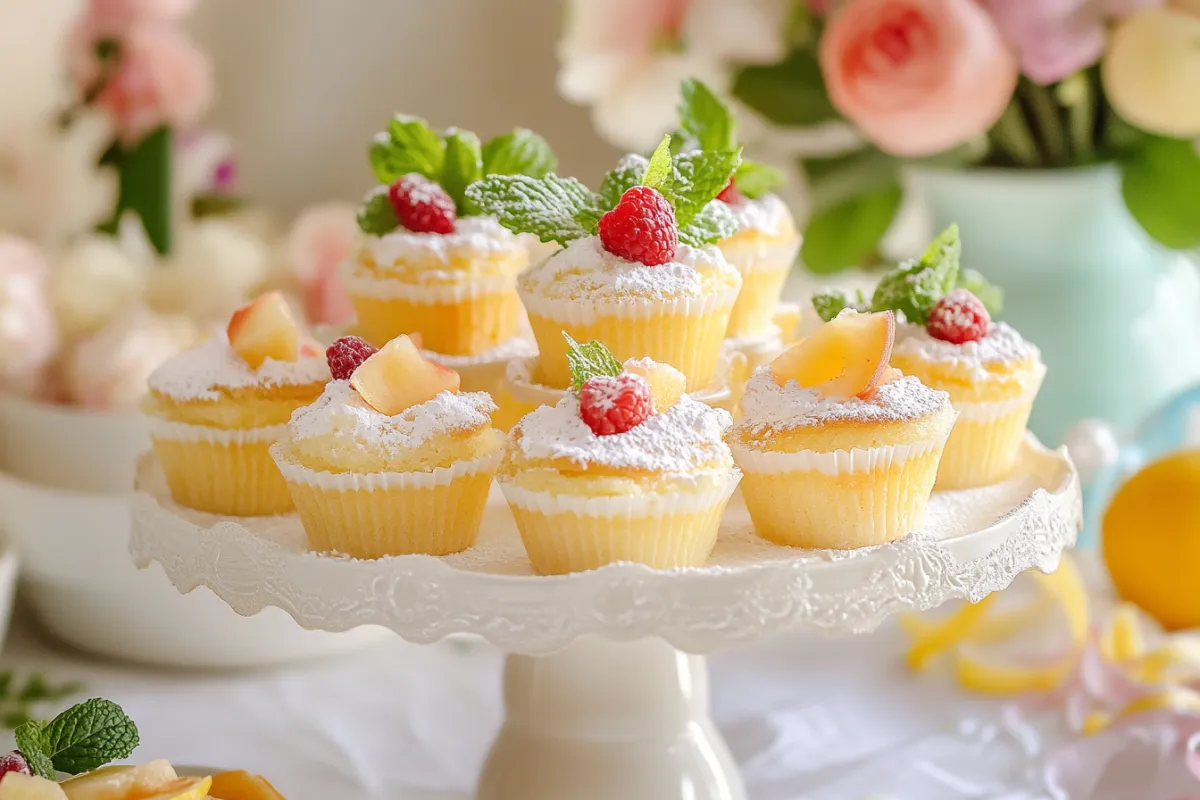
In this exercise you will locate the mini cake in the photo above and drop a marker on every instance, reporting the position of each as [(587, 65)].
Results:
[(626, 467), (428, 262), (215, 410), (951, 343), (838, 450), (638, 270), (765, 244), (391, 459)]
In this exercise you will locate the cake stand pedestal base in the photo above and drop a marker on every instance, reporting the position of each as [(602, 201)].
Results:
[(603, 720)]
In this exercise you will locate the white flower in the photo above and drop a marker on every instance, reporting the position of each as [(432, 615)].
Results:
[(216, 265), (93, 280), (626, 58)]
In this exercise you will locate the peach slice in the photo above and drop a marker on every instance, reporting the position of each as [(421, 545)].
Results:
[(18, 786), (264, 328), (667, 384), (242, 785), (846, 357), (398, 377)]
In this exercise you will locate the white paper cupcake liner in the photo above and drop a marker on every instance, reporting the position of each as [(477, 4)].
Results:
[(836, 462), (379, 481), (646, 505), (761, 256), (569, 311), (184, 432), (990, 412), (433, 294)]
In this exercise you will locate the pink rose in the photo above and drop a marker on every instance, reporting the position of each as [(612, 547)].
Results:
[(319, 243), (1056, 38), (917, 76), (112, 17)]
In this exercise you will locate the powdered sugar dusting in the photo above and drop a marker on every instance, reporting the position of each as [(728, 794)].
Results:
[(472, 237), (1002, 345), (200, 373), (341, 415), (768, 407), (584, 269), (685, 439), (765, 214)]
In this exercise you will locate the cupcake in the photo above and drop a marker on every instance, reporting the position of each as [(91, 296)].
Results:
[(951, 343), (838, 450), (638, 269), (428, 262), (391, 459), (626, 467), (765, 243), (216, 409)]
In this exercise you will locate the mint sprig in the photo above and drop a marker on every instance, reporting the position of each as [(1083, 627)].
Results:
[(590, 360), (375, 214), (659, 170), (754, 180), (697, 178), (707, 123), (82, 738), (914, 287), (462, 165), (989, 294), (714, 223), (518, 152), (552, 208), (408, 145), (628, 173), (831, 302)]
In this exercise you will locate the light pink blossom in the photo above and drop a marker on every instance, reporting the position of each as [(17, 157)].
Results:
[(1056, 38), (29, 337), (112, 17), (319, 242)]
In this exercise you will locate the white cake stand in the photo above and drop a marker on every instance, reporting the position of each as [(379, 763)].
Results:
[(605, 685)]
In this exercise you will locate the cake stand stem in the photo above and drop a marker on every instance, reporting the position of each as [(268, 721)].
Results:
[(605, 720)]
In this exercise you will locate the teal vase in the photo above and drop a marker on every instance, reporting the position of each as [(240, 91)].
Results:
[(1116, 315)]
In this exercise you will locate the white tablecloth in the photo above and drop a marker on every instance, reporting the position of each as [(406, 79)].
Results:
[(404, 722)]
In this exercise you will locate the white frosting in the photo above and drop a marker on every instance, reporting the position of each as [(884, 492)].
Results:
[(584, 269), (685, 439), (341, 415), (472, 237), (199, 373), (765, 214), (767, 406), (1002, 345)]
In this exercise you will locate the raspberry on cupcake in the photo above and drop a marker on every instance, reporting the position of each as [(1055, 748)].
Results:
[(637, 270)]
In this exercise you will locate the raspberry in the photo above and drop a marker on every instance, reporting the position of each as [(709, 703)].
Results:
[(730, 194), (346, 354), (421, 205), (14, 762), (641, 228), (614, 405), (958, 317)]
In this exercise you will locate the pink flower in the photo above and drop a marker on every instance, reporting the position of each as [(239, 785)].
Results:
[(917, 76), (1056, 38), (29, 336), (319, 242), (112, 17)]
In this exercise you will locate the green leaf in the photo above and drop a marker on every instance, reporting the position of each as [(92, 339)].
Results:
[(791, 92), (518, 152), (704, 118), (754, 180), (697, 178), (848, 234), (658, 170), (376, 215), (589, 361), (834, 180), (914, 287), (989, 294), (88, 736), (552, 208), (32, 744), (621, 179), (463, 165), (714, 223), (1161, 185), (828, 304), (144, 176), (409, 145)]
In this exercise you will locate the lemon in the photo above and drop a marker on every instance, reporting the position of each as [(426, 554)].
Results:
[(1150, 540)]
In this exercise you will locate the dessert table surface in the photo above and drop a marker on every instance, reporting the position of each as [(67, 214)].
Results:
[(807, 718)]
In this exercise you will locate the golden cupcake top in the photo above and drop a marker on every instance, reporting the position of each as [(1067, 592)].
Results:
[(630, 418), (262, 349), (998, 349), (388, 410)]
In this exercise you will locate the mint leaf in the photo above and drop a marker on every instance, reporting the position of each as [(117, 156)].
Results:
[(831, 302), (462, 166), (552, 208), (376, 215), (697, 178), (1161, 186), (88, 736), (915, 287), (704, 118), (589, 361), (518, 152), (989, 294), (658, 170), (621, 178), (848, 234), (754, 180), (714, 223), (408, 145), (32, 745)]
